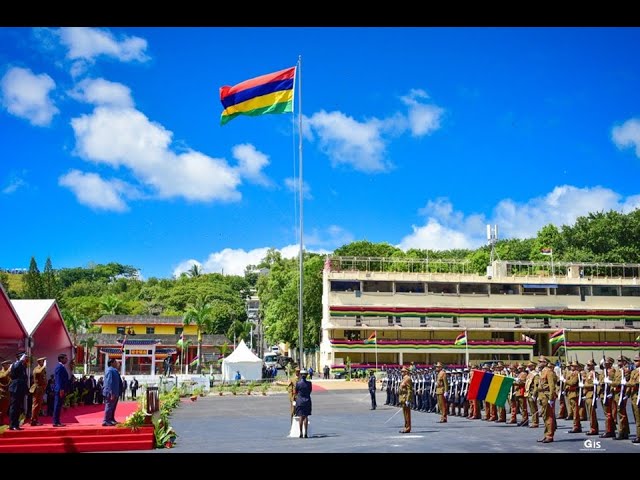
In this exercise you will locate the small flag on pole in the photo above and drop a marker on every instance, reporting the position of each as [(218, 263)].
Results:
[(461, 339), (195, 361), (546, 251), (270, 93), (526, 338), (372, 339), (556, 337)]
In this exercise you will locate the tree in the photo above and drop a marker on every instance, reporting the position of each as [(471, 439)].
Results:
[(195, 271), (49, 281), (32, 282), (75, 323), (200, 313), (111, 305)]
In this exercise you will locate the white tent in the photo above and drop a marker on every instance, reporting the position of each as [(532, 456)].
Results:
[(244, 361)]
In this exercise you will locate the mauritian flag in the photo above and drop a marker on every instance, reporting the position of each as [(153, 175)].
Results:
[(461, 339), (372, 339), (270, 93), (546, 251), (556, 337), (195, 361), (489, 387)]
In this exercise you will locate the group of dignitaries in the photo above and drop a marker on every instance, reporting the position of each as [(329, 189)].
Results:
[(539, 391)]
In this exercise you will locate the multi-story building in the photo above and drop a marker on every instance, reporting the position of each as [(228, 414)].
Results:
[(148, 340), (415, 310)]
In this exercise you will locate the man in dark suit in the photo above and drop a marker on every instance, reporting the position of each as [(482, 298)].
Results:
[(18, 390), (372, 389), (60, 387), (134, 388)]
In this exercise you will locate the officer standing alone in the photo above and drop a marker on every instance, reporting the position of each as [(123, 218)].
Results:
[(372, 389)]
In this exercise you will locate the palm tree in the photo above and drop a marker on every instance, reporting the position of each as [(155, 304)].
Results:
[(200, 313), (75, 323), (195, 271), (90, 342), (111, 305)]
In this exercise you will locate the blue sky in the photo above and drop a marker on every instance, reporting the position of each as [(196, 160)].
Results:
[(112, 149)]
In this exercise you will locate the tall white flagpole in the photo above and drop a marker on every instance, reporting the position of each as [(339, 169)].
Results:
[(466, 349), (300, 196), (375, 333)]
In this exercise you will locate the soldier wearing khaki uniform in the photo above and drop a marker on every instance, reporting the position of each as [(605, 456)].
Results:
[(632, 394), (37, 390), (406, 393), (618, 387), (4, 390), (291, 390), (606, 395), (572, 391), (531, 394), (442, 386), (590, 397), (546, 398), (520, 384)]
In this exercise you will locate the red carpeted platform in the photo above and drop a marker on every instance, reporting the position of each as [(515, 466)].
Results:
[(83, 432)]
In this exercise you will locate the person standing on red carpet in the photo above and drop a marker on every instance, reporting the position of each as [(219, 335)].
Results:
[(37, 389), (60, 387), (111, 392)]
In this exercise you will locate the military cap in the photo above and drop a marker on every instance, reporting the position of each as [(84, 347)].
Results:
[(609, 360), (297, 369), (520, 365), (439, 364), (636, 358), (543, 359), (622, 358), (42, 359), (591, 363), (304, 372), (486, 365), (6, 362), (531, 364), (500, 364), (574, 364)]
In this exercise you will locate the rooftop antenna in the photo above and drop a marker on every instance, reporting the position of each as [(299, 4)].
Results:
[(492, 238)]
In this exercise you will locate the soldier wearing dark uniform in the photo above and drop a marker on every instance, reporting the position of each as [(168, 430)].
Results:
[(572, 392), (546, 397), (632, 394), (590, 396), (442, 386), (405, 394), (606, 396), (37, 390), (618, 387), (4, 390)]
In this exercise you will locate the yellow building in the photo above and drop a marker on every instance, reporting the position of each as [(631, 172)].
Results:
[(149, 338)]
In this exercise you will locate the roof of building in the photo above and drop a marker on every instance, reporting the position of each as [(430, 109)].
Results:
[(164, 340), (139, 320)]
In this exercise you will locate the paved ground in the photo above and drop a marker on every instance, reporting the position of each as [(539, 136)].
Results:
[(342, 423)]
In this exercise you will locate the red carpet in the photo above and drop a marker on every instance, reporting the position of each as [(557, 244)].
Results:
[(83, 432)]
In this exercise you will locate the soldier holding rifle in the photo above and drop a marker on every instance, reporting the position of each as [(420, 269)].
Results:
[(618, 387), (531, 394), (590, 395), (573, 394), (632, 394), (610, 407), (546, 397)]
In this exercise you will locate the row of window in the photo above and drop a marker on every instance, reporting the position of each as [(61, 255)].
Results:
[(149, 330), (482, 288)]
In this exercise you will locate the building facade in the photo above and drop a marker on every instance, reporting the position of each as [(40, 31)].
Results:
[(388, 312), (147, 340)]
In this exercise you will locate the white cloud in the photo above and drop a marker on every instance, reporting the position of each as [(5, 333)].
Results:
[(91, 190), (293, 185), (26, 95), (423, 118), (99, 91), (347, 141), (13, 185), (125, 137), (446, 228), (362, 145), (250, 164), (89, 43), (627, 135)]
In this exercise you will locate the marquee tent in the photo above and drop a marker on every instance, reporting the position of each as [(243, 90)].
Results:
[(244, 361), (13, 335), (44, 324)]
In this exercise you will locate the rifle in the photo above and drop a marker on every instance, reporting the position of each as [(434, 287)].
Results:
[(580, 385), (606, 384), (623, 384)]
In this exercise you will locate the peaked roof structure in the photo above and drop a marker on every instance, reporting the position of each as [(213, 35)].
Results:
[(242, 353), (12, 332)]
